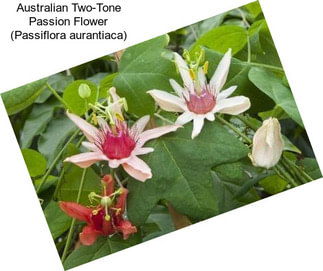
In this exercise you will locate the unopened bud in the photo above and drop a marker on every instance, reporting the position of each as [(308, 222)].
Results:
[(106, 201), (267, 145), (84, 91), (107, 218)]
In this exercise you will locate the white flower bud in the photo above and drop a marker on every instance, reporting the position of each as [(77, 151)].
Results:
[(268, 144)]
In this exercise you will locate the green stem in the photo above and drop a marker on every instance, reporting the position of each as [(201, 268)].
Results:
[(163, 118), (243, 18), (303, 175), (60, 178), (247, 122), (51, 167), (54, 92), (275, 68), (233, 128), (70, 233), (286, 175), (249, 49), (293, 170)]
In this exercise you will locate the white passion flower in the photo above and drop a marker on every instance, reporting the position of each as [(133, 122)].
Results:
[(197, 98), (267, 144)]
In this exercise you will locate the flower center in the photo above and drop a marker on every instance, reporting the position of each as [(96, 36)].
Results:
[(98, 219), (201, 104), (119, 143)]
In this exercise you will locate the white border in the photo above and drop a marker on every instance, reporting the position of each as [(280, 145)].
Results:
[(283, 232)]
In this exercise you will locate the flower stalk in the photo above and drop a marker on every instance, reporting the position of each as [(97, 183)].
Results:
[(71, 231)]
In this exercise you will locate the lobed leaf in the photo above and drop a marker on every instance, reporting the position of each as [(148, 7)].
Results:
[(143, 67), (181, 170)]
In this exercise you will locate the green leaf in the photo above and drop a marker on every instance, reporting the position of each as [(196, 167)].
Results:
[(181, 170), (221, 39), (289, 146), (253, 8), (58, 82), (105, 84), (273, 184), (71, 96), (19, 98), (35, 161), (72, 177), (51, 141), (161, 218), (102, 247), (277, 113), (274, 88), (57, 220), (200, 28), (95, 79), (37, 121), (262, 45), (238, 75), (228, 180), (51, 180), (311, 167), (143, 67)]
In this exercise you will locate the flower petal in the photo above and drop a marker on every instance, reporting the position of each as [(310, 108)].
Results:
[(141, 151), (226, 93), (181, 92), (138, 169), (140, 125), (220, 75), (88, 130), (198, 123), (184, 71), (114, 163), (76, 210), (184, 118), (86, 159), (89, 235), (126, 228), (201, 78), (156, 132), (210, 116), (168, 101), (267, 144), (90, 146), (233, 106), (103, 124)]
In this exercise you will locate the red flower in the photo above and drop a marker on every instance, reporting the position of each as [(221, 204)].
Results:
[(106, 218)]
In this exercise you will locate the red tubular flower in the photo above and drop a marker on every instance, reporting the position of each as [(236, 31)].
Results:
[(106, 218)]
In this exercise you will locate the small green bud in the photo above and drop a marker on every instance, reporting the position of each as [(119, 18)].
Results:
[(84, 91), (107, 218), (106, 201), (119, 191)]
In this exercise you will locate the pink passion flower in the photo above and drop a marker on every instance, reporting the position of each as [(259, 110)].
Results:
[(198, 99), (118, 144)]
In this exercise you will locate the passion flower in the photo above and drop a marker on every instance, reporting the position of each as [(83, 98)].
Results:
[(117, 143), (197, 98)]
